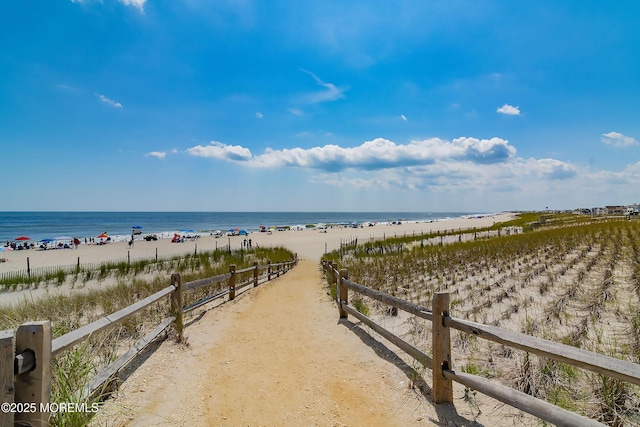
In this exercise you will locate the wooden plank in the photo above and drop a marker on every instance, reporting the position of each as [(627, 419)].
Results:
[(204, 301), (6, 376), (34, 387), (605, 365), (205, 282), (111, 370), (343, 293), (68, 340), (245, 270), (539, 408), (176, 304), (409, 307), (441, 347), (408, 348)]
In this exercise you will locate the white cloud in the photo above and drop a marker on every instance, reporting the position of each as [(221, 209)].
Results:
[(108, 101), (295, 111), (618, 140), (136, 3), (139, 4), (157, 154), (218, 150), (259, 115), (377, 154), (462, 172), (509, 110), (403, 117), (330, 93)]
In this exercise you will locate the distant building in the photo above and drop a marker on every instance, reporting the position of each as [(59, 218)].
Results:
[(616, 210)]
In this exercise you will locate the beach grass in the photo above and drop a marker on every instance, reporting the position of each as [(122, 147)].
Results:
[(566, 278), (74, 368)]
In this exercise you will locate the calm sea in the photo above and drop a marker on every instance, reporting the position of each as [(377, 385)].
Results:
[(43, 225)]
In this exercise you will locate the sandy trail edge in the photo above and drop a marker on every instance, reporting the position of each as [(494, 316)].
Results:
[(277, 355)]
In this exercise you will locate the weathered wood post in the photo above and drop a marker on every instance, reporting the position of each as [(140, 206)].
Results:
[(255, 274), (176, 303), (33, 387), (441, 345), (232, 282), (6, 375), (269, 271), (343, 292)]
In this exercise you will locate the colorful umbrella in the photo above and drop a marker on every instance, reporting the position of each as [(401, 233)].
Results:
[(23, 238), (103, 235)]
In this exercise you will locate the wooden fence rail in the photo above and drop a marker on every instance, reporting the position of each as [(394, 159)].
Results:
[(440, 363), (26, 355)]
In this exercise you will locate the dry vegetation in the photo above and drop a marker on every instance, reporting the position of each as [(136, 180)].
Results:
[(576, 283), (124, 284)]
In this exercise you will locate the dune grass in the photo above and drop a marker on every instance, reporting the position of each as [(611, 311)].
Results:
[(75, 367), (567, 278)]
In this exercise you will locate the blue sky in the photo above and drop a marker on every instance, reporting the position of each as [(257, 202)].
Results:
[(195, 105)]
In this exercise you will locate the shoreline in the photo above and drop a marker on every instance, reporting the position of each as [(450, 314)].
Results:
[(308, 244)]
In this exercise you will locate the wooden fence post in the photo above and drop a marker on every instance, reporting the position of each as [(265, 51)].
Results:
[(176, 303), (269, 271), (6, 375), (232, 282), (34, 386), (343, 293), (255, 274), (441, 345)]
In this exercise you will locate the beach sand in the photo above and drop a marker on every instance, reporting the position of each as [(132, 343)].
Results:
[(308, 244)]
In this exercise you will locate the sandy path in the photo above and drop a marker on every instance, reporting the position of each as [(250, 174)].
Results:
[(277, 355)]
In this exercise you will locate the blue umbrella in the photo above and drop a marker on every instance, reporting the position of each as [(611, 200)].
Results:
[(46, 240), (137, 227)]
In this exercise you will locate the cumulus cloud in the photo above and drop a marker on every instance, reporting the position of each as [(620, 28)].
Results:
[(618, 140), (218, 150), (108, 101), (377, 154), (330, 92), (156, 154), (509, 110), (474, 170)]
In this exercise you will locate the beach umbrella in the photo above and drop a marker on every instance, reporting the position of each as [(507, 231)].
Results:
[(103, 235), (137, 227), (46, 240), (23, 238), (62, 238)]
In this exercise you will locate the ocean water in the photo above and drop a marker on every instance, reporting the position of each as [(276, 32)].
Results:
[(49, 225)]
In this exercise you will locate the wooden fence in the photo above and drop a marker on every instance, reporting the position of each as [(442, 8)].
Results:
[(26, 355), (441, 366)]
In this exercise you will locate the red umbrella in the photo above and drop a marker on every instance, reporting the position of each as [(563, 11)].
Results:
[(23, 238), (103, 235)]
